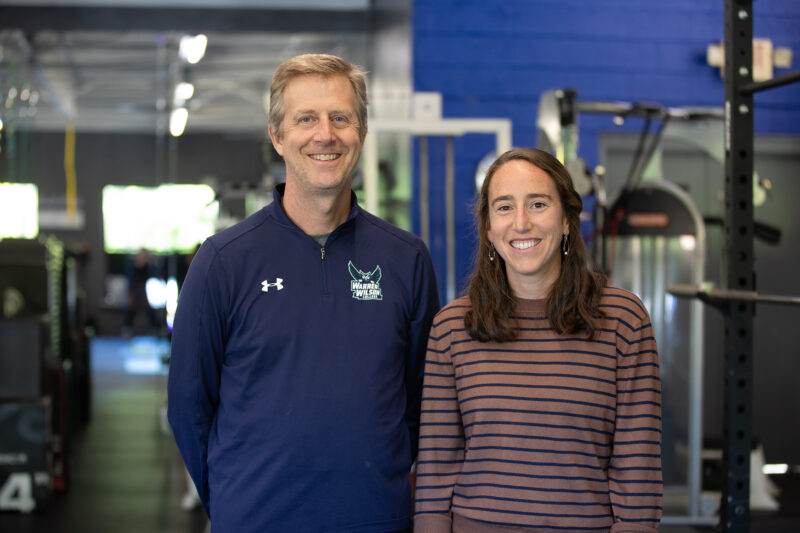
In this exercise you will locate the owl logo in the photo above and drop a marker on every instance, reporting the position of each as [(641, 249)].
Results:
[(365, 285)]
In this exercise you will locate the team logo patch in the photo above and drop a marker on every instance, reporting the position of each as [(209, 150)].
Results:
[(365, 285)]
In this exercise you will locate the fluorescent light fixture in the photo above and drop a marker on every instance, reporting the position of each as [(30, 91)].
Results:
[(775, 469), (184, 91), (177, 121), (193, 47)]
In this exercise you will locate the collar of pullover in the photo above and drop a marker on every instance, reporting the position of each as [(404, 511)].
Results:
[(280, 215)]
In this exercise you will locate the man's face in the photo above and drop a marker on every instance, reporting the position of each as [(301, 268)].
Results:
[(319, 138)]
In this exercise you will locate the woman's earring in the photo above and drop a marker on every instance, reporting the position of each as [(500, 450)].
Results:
[(565, 244), (492, 253)]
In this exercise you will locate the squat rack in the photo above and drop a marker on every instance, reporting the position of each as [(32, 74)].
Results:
[(738, 301)]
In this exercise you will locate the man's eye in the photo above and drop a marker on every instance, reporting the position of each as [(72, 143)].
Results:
[(305, 120)]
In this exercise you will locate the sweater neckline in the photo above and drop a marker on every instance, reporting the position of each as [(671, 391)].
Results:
[(537, 307)]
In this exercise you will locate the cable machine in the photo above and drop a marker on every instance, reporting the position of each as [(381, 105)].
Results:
[(423, 128), (656, 227)]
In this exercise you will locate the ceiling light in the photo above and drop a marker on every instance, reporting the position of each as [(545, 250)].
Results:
[(177, 121), (193, 48), (775, 469), (184, 91)]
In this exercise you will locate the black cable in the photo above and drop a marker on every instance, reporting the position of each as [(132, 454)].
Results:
[(637, 154), (636, 178)]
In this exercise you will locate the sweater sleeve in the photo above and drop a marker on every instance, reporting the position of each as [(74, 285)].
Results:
[(634, 472), (426, 305), (441, 449), (195, 363)]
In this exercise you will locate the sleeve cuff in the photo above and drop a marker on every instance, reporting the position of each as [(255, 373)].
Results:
[(632, 527), (433, 523)]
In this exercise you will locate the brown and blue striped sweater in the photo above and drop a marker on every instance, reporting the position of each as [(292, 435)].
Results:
[(550, 432)]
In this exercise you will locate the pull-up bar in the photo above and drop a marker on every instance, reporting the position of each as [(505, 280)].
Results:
[(784, 79), (724, 296)]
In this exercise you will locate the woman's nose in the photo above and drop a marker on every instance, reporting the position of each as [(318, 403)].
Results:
[(521, 220)]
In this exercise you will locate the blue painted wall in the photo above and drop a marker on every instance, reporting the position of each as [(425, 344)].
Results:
[(493, 58)]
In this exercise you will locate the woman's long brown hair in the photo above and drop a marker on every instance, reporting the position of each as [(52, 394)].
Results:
[(574, 300)]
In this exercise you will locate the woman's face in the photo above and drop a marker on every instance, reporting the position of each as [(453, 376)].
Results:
[(526, 222)]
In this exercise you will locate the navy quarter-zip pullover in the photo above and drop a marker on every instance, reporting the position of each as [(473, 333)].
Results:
[(296, 373)]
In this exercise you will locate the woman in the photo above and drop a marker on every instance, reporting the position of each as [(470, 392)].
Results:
[(541, 403)]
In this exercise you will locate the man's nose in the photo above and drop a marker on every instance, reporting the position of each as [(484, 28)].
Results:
[(324, 130)]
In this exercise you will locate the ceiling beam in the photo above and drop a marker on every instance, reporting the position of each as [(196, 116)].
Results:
[(182, 19)]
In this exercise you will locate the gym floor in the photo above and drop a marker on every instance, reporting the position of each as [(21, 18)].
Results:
[(126, 474)]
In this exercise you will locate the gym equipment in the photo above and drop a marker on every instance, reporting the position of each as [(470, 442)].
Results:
[(449, 128), (26, 482)]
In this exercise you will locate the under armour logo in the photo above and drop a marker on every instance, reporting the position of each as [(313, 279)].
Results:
[(265, 285)]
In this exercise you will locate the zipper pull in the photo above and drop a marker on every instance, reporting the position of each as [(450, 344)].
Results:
[(322, 249)]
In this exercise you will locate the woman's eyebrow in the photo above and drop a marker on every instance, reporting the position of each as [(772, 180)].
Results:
[(528, 197)]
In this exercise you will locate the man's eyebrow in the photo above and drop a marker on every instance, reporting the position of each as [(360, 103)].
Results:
[(303, 112)]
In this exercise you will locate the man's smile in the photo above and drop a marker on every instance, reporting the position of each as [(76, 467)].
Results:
[(325, 157)]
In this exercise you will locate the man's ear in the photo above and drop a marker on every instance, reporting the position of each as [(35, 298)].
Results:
[(276, 142)]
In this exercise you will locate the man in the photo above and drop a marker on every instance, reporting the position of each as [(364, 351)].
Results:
[(299, 341)]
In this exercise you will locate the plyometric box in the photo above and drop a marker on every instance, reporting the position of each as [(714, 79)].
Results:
[(25, 456)]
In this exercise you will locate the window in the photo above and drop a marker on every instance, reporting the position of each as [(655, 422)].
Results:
[(165, 219), (19, 210)]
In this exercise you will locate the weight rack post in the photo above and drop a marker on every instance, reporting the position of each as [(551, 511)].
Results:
[(740, 273)]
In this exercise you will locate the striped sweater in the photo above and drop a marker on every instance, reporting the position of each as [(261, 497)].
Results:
[(551, 432)]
